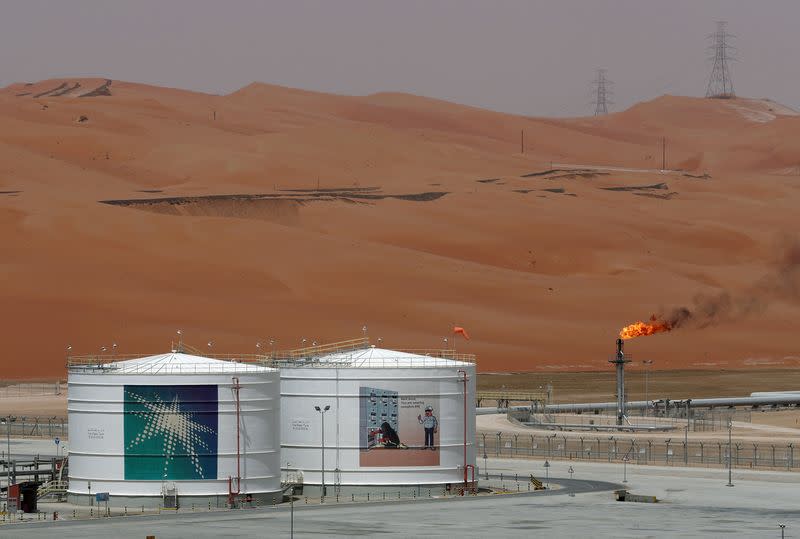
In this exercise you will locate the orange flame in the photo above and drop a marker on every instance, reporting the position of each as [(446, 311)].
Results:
[(642, 329)]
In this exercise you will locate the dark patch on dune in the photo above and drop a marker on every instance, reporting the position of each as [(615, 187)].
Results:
[(150, 191), (523, 191), (23, 94), (705, 176), (663, 196), (331, 190), (281, 208), (102, 90), (556, 173), (11, 193), (57, 88), (554, 190), (66, 90), (543, 173), (420, 197), (573, 175), (490, 180), (655, 186), (300, 198)]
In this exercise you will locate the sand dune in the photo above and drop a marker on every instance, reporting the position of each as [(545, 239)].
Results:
[(279, 213)]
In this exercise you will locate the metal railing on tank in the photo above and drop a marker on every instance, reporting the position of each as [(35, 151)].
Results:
[(235, 365), (122, 364), (352, 353)]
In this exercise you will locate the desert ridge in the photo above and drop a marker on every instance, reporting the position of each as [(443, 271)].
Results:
[(287, 214)]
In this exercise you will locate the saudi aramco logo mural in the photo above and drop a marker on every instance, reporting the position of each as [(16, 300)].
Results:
[(171, 432)]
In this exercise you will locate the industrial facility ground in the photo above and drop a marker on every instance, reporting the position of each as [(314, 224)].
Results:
[(692, 503)]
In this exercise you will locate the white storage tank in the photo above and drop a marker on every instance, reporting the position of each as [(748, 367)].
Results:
[(151, 429), (391, 419)]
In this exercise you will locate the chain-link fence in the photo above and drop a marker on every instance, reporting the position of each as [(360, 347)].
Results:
[(30, 389), (33, 427), (670, 452), (377, 495)]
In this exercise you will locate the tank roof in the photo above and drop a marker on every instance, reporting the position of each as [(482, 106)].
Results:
[(372, 357), (173, 362)]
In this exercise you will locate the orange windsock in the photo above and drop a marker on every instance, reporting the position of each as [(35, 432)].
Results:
[(458, 330)]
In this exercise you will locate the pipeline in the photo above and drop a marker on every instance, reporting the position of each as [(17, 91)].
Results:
[(792, 399)]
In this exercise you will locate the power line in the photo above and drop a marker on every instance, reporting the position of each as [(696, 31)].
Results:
[(602, 93), (720, 84)]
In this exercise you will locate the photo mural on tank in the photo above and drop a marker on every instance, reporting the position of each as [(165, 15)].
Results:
[(171, 432), (397, 430)]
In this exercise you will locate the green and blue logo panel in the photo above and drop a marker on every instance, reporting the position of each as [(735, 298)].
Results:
[(171, 432)]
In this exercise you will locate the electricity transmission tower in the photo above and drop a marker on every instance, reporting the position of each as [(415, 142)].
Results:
[(602, 93), (720, 85)]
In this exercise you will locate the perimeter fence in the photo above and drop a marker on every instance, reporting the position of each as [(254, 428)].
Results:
[(670, 452), (33, 427), (30, 389)]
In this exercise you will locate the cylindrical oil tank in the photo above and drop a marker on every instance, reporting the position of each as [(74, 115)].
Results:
[(164, 428), (393, 418)]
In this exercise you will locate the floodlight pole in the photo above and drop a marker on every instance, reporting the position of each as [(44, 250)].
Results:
[(8, 461), (730, 455), (485, 457), (322, 413), (547, 473), (625, 469), (291, 505)]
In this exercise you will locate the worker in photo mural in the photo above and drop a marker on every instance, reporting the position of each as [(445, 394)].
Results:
[(431, 426)]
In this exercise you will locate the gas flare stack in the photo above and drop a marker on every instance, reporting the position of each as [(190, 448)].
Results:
[(620, 360)]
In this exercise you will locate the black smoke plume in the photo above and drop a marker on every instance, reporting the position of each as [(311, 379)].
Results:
[(712, 309)]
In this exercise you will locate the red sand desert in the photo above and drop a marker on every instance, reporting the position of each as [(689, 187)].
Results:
[(289, 214)]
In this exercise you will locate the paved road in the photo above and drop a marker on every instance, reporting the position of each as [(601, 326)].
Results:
[(695, 503)]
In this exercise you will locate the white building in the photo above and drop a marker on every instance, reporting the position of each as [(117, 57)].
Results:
[(394, 419), (166, 425)]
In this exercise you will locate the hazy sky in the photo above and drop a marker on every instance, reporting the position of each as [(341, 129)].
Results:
[(530, 57)]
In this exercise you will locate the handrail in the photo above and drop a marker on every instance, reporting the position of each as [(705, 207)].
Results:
[(52, 487), (303, 357), (171, 368), (324, 349), (104, 359)]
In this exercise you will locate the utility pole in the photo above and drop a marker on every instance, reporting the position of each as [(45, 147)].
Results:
[(602, 93), (8, 462), (730, 454), (291, 505), (720, 84), (322, 413)]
